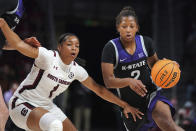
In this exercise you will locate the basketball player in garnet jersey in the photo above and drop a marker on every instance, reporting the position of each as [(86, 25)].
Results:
[(31, 106), (126, 63)]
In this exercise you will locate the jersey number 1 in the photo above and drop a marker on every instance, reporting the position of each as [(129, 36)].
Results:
[(53, 90)]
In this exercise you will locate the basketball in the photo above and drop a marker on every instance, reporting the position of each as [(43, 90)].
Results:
[(165, 73)]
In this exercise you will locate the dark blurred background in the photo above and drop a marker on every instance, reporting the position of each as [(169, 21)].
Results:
[(171, 24)]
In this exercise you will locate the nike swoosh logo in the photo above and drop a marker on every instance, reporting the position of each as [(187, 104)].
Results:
[(121, 60)]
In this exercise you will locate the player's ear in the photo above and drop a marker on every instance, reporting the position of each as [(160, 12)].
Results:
[(59, 47), (117, 28)]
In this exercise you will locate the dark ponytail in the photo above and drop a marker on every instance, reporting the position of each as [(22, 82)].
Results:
[(125, 12)]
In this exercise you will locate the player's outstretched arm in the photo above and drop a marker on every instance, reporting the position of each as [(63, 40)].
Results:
[(14, 40), (109, 96), (31, 41)]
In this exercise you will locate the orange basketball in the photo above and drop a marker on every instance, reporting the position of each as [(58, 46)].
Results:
[(165, 73)]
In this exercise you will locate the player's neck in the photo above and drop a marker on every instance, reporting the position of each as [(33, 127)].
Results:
[(129, 44), (65, 60)]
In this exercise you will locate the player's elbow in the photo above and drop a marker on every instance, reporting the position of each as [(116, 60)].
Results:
[(108, 85), (109, 81)]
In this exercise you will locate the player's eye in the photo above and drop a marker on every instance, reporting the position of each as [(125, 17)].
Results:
[(69, 44), (124, 27), (131, 26)]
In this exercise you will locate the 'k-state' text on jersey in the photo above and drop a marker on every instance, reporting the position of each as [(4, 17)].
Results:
[(48, 77), (131, 65)]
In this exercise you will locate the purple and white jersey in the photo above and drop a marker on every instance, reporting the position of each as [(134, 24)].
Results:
[(122, 56), (128, 65), (48, 78), (135, 66)]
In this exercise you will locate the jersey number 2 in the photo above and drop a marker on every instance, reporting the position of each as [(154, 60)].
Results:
[(135, 74)]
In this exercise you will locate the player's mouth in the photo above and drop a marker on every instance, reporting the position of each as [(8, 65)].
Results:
[(73, 55), (128, 36)]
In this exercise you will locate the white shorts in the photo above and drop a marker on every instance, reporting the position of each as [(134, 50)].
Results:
[(19, 111)]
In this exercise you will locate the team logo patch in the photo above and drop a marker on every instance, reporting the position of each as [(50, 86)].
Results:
[(71, 75), (140, 54), (24, 111)]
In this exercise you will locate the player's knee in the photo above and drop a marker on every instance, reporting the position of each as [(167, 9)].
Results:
[(169, 125), (56, 125), (49, 122)]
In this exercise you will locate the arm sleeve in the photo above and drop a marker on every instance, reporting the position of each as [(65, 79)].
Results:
[(108, 54), (81, 74), (149, 46), (43, 60)]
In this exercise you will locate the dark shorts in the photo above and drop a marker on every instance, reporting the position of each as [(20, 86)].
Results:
[(147, 122)]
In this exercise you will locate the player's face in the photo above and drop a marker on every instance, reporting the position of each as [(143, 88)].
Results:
[(69, 49), (127, 28)]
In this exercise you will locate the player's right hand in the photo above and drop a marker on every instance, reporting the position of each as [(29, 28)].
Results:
[(138, 87), (173, 61), (32, 41)]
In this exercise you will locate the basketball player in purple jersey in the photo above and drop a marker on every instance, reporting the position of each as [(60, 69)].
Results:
[(126, 63)]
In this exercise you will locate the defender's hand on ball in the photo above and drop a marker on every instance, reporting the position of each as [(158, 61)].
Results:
[(134, 112)]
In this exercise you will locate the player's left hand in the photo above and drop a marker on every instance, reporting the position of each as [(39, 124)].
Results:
[(134, 112), (173, 61), (32, 41)]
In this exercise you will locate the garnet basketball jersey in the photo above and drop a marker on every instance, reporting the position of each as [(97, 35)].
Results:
[(49, 77)]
